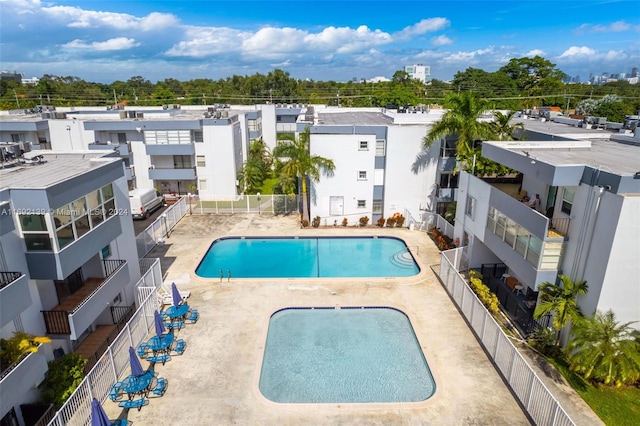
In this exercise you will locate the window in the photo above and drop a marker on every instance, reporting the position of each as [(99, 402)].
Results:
[(202, 185), (336, 206), (362, 175), (447, 148), (567, 200), (163, 137), (380, 148), (364, 146), (448, 180), (200, 161), (198, 136), (182, 162), (376, 207), (106, 252), (255, 125), (34, 230), (362, 204), (469, 210)]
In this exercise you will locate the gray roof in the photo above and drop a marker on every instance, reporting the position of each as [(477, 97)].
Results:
[(57, 168), (563, 130), (354, 118)]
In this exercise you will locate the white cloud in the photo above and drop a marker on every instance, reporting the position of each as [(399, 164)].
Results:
[(615, 27), (575, 51), (207, 41), (271, 42), (345, 39), (75, 17), (467, 56), (425, 26), (442, 40), (118, 43), (535, 52)]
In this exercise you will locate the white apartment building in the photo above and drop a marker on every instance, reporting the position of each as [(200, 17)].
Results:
[(585, 225), (381, 165), (419, 72), (68, 259)]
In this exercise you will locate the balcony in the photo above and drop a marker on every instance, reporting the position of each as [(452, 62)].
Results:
[(14, 295), (170, 149), (121, 149), (76, 312), (19, 378), (172, 174)]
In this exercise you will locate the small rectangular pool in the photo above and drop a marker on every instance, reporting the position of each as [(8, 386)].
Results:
[(323, 257), (343, 355)]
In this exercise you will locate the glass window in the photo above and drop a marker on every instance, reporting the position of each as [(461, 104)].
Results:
[(94, 199), (364, 145), (362, 175), (110, 208), (65, 235), (107, 192), (32, 222), (202, 184), (79, 207), (37, 242), (470, 207), (198, 136), (567, 200), (200, 161), (376, 207), (362, 204), (380, 148), (82, 225)]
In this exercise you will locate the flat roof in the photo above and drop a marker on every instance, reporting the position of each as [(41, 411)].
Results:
[(352, 118), (57, 167), (615, 157), (561, 129)]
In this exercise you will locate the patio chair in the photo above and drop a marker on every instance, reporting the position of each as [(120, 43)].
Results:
[(161, 386), (143, 348), (158, 358), (193, 316), (180, 346), (120, 422), (133, 403), (167, 289), (175, 324), (115, 393)]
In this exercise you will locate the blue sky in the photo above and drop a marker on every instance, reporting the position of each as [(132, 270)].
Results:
[(104, 41)]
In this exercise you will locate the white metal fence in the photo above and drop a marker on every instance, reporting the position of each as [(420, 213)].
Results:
[(541, 406), (160, 227), (267, 204), (77, 409)]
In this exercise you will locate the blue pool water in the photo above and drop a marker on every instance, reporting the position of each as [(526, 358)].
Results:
[(308, 257), (348, 355)]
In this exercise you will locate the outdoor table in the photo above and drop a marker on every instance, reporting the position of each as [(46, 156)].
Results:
[(161, 344), (179, 312), (134, 385)]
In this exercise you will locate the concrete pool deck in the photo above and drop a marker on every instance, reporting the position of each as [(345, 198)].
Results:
[(215, 381)]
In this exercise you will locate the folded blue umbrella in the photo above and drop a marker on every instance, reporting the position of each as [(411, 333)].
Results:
[(98, 416), (158, 323), (177, 298), (134, 361)]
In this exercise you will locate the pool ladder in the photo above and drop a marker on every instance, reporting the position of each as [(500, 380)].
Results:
[(228, 275)]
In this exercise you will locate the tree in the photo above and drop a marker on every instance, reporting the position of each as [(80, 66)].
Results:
[(257, 167), (299, 164), (561, 302), (502, 125), (533, 75), (604, 350), (462, 119)]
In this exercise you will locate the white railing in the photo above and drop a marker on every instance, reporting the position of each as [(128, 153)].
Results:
[(534, 396), (259, 204), (77, 409), (162, 226)]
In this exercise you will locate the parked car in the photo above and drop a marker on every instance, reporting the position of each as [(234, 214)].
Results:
[(144, 202)]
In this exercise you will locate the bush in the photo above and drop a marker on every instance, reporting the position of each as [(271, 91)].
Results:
[(391, 222), (381, 221), (316, 222), (20, 344), (364, 220), (485, 295), (345, 221), (443, 242), (304, 223), (63, 377)]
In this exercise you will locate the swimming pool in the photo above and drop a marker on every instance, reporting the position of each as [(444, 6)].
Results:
[(343, 355), (249, 257)]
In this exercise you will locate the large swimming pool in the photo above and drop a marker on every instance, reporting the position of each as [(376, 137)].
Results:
[(343, 355), (248, 257)]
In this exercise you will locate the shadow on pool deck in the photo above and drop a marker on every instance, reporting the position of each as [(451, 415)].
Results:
[(215, 382)]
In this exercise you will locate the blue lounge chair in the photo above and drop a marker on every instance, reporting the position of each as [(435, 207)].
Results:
[(161, 386), (142, 349), (115, 393), (180, 346), (193, 316), (132, 403), (175, 324), (158, 358)]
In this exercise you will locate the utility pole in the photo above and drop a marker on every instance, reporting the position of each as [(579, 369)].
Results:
[(16, 95), (115, 99), (204, 99)]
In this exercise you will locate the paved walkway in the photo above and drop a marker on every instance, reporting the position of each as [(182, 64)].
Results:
[(215, 382)]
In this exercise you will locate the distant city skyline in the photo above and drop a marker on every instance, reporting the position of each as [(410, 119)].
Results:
[(324, 40)]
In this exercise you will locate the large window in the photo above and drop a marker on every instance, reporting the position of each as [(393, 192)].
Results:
[(380, 148), (254, 125), (170, 137), (376, 207), (34, 231), (198, 136), (182, 162), (470, 207), (567, 200), (448, 180)]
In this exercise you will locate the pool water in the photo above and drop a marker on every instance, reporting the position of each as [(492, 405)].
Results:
[(348, 355), (246, 257)]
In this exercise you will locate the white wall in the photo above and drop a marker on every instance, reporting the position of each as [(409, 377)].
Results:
[(74, 139), (222, 149), (268, 124), (141, 161), (344, 150), (481, 192)]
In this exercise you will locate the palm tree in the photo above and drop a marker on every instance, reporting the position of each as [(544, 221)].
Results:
[(602, 349), (298, 163), (502, 125), (560, 300), (256, 169), (462, 119)]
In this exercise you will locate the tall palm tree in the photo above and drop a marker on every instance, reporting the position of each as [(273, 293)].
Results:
[(461, 119), (257, 167), (298, 163), (560, 300), (502, 125), (605, 350)]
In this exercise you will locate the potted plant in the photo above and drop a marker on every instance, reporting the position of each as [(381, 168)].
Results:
[(391, 222), (364, 220), (316, 222), (345, 221), (381, 221)]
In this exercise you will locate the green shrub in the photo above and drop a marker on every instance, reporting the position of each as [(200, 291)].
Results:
[(17, 346), (345, 221), (316, 222), (364, 220), (381, 221), (485, 295), (63, 377)]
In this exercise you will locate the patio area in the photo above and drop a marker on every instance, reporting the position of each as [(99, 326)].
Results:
[(216, 380)]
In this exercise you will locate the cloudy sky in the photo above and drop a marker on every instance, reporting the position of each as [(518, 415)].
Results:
[(104, 41)]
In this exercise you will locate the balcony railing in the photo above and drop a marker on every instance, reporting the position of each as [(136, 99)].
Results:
[(57, 319), (7, 278), (120, 315)]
